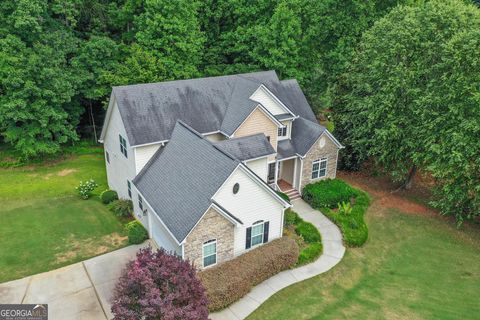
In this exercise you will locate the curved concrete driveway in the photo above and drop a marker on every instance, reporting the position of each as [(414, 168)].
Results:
[(83, 290), (333, 251), (78, 291)]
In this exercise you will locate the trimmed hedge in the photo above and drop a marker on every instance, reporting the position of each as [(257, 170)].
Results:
[(327, 193), (136, 232), (231, 280), (121, 207), (308, 232), (310, 253), (311, 240), (108, 196), (284, 196), (353, 226)]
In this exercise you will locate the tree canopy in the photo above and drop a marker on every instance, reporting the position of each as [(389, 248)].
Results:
[(410, 98)]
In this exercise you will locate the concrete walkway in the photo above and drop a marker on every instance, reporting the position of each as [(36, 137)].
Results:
[(78, 291), (83, 290), (333, 251)]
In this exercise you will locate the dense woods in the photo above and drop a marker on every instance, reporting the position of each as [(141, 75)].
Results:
[(401, 76)]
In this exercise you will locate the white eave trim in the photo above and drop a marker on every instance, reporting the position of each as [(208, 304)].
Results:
[(150, 144), (258, 158), (328, 134), (265, 111), (157, 216), (219, 210), (264, 185), (274, 97), (108, 115)]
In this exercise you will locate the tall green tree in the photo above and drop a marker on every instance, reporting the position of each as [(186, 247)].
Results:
[(400, 100), (170, 31)]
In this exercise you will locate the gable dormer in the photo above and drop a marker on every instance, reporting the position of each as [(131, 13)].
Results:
[(272, 103)]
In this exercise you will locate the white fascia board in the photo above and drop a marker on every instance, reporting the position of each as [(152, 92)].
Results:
[(108, 115), (224, 214), (264, 185), (156, 216), (150, 143), (335, 141), (289, 158), (258, 158), (274, 97), (265, 111), (203, 215)]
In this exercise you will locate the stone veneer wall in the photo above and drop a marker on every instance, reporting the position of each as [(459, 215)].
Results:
[(212, 226), (329, 151)]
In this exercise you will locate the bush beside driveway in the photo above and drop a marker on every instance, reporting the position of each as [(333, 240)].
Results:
[(79, 291), (46, 225)]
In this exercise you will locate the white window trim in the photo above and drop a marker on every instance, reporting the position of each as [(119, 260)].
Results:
[(319, 161), (207, 243), (283, 130), (129, 189), (262, 223), (140, 203), (123, 146)]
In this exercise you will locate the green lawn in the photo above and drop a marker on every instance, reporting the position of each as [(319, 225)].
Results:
[(412, 267), (45, 225)]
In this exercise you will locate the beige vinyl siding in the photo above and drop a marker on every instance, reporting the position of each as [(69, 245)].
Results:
[(258, 122), (252, 203)]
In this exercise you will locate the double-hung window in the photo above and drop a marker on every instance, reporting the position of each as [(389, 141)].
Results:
[(257, 234), (209, 253), (319, 168), (123, 146), (140, 202), (129, 185), (282, 132)]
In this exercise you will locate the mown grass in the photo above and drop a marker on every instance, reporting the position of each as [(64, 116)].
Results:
[(44, 223), (412, 267)]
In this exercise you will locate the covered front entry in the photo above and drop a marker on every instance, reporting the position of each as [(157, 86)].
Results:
[(288, 176)]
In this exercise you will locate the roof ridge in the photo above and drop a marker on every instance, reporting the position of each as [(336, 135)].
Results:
[(242, 75), (186, 126)]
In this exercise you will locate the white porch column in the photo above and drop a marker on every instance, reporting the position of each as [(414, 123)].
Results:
[(276, 173)]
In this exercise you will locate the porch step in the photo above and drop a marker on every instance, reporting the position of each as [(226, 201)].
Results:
[(292, 194)]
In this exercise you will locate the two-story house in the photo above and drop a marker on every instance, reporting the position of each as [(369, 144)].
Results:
[(202, 159)]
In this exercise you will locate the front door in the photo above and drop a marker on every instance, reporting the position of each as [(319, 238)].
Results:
[(271, 172)]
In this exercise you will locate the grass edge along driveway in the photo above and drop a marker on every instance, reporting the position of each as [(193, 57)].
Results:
[(44, 223)]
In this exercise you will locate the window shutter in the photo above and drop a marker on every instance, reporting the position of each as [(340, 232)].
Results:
[(265, 232), (248, 242)]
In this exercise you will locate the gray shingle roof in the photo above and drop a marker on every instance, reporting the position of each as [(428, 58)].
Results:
[(150, 111), (249, 147), (285, 149), (179, 181), (304, 134), (290, 93)]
